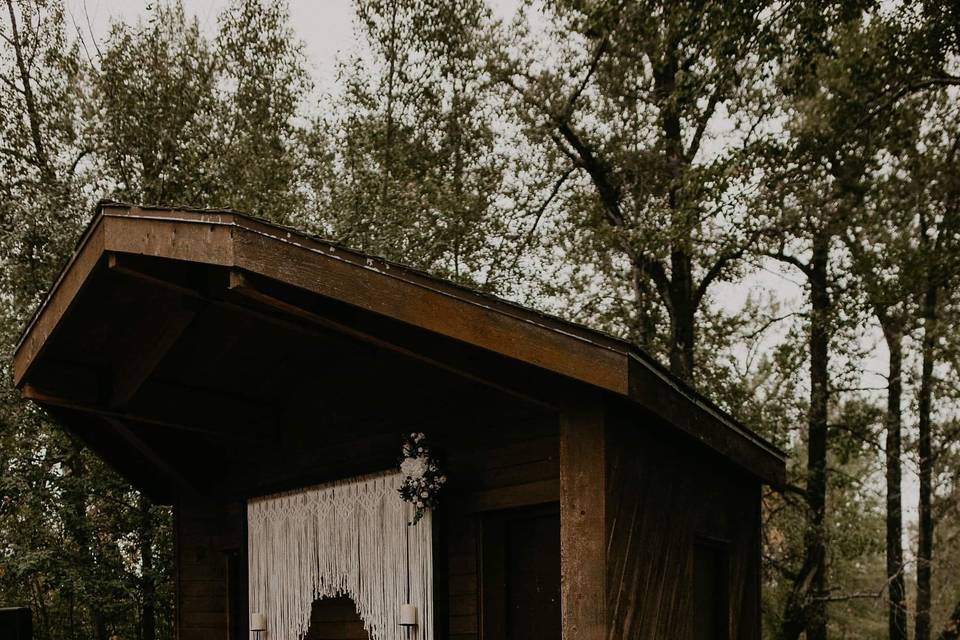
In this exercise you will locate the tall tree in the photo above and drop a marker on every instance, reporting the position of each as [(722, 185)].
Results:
[(155, 112), (805, 607), (40, 148), (415, 172), (884, 264), (819, 185), (263, 78), (628, 110), (938, 239)]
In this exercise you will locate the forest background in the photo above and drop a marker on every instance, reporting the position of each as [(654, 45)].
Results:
[(763, 195)]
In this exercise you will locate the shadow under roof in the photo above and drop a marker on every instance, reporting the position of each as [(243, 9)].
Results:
[(185, 258)]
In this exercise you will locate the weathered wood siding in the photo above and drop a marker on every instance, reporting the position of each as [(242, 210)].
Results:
[(663, 492), (508, 465), (210, 572), (499, 457)]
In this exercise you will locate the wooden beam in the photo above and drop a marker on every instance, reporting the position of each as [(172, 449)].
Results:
[(513, 496), (31, 392), (158, 462), (160, 333), (228, 240), (488, 326), (125, 264), (247, 290), (703, 423), (98, 436), (129, 376), (583, 529), (61, 298), (241, 284)]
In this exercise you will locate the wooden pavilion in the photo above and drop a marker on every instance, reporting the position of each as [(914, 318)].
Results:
[(212, 358)]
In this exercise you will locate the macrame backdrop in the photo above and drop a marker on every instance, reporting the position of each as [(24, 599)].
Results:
[(345, 538)]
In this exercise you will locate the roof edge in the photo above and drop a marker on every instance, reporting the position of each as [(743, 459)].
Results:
[(589, 339)]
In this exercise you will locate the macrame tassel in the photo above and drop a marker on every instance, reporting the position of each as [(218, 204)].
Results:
[(347, 538)]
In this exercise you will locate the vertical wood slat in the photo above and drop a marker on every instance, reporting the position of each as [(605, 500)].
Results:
[(583, 521), (205, 534), (663, 496)]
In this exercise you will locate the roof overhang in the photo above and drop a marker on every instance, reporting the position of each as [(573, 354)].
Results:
[(291, 275)]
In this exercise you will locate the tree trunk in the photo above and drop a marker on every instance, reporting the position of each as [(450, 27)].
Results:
[(148, 589), (76, 525), (643, 298), (897, 605), (680, 291), (805, 607), (925, 524), (33, 113), (814, 542), (682, 318)]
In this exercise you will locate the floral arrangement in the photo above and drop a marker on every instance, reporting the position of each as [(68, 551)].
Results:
[(422, 477)]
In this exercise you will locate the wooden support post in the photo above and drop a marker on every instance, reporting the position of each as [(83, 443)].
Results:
[(583, 539)]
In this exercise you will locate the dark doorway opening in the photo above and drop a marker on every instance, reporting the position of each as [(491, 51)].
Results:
[(711, 590), (520, 574), (335, 619)]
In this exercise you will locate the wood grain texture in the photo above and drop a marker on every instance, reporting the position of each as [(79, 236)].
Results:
[(449, 316), (208, 605), (62, 296), (662, 495), (582, 521)]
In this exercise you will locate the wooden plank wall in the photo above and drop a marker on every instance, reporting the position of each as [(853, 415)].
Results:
[(502, 460), (663, 492), (508, 465), (211, 570), (583, 552)]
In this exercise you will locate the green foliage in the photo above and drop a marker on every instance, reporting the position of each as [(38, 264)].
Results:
[(628, 165), (179, 118), (264, 81), (414, 169), (154, 122)]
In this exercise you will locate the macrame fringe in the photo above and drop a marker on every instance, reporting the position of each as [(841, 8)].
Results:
[(346, 538)]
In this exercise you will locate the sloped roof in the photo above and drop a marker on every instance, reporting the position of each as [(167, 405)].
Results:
[(248, 245)]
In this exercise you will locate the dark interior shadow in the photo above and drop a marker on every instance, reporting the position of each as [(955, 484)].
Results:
[(335, 619)]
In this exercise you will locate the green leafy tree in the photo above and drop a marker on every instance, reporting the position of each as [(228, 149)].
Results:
[(156, 90), (414, 168), (626, 108), (262, 77), (61, 530)]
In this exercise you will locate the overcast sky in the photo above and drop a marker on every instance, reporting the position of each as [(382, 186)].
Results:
[(324, 26)]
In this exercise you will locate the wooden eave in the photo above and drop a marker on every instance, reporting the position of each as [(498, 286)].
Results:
[(255, 251)]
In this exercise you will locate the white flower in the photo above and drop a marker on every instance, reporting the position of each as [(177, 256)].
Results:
[(414, 467), (424, 494)]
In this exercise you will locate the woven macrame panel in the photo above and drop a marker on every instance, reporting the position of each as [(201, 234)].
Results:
[(346, 538)]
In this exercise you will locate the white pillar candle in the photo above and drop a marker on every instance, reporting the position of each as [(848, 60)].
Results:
[(408, 615), (258, 622)]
